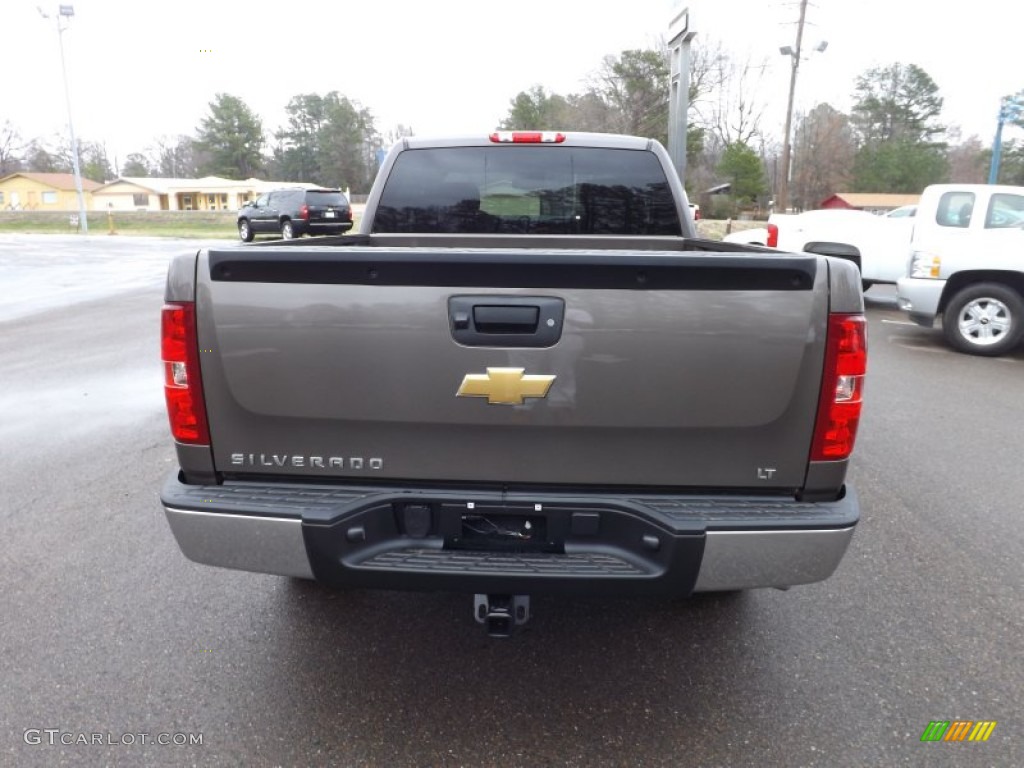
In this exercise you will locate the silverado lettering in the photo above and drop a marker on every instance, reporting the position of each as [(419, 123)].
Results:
[(319, 462), (622, 382)]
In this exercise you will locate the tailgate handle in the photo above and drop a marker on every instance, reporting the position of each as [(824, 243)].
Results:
[(506, 321), (501, 319)]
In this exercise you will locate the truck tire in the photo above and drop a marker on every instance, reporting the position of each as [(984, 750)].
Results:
[(245, 231), (287, 230), (984, 319)]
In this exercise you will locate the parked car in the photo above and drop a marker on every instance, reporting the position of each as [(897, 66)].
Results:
[(295, 212), (903, 212), (695, 211), (966, 267), (878, 245)]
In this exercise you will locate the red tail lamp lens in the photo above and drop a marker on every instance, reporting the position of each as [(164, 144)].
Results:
[(183, 389), (842, 387)]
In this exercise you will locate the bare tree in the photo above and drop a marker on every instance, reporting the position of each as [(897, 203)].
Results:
[(396, 134), (589, 111), (11, 147), (40, 157), (711, 70), (136, 164), (823, 156), (968, 162), (738, 103), (708, 71), (174, 156)]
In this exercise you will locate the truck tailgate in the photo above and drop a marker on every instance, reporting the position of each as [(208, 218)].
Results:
[(662, 369)]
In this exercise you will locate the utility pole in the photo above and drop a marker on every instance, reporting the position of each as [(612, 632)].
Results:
[(66, 12), (782, 203)]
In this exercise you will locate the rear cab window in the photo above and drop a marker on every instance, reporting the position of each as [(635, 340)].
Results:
[(955, 209), (528, 190), (1005, 210)]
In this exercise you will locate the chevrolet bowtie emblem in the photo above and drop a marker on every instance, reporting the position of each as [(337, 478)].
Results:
[(504, 386)]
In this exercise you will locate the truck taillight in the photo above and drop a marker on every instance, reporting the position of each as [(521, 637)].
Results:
[(527, 137), (304, 212), (183, 388), (773, 236), (839, 405)]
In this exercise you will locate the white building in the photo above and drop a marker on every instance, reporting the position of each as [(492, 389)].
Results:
[(210, 193)]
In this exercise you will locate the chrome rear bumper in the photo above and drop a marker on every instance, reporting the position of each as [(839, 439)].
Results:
[(666, 546)]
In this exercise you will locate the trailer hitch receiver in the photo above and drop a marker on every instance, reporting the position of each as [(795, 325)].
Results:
[(501, 613)]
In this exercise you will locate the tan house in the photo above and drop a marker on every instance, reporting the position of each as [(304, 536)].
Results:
[(44, 192), (210, 193)]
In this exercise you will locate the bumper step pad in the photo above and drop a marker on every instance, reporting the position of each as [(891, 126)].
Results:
[(581, 564)]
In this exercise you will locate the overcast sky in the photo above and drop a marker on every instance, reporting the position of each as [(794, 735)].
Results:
[(139, 69)]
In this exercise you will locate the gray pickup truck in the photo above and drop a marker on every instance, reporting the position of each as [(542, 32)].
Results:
[(524, 375)]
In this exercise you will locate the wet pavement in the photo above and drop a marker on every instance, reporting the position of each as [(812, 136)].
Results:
[(41, 272), (111, 641)]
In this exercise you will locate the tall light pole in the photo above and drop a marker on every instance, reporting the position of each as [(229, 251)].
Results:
[(680, 35), (782, 201), (1010, 108), (66, 12)]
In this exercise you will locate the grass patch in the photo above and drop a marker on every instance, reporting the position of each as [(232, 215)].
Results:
[(198, 224), (195, 224)]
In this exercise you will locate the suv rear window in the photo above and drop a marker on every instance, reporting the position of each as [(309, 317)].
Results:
[(317, 197), (528, 190)]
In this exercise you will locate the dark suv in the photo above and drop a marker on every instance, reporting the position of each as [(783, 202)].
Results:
[(294, 213)]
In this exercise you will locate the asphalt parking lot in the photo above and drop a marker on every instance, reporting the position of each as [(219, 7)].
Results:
[(108, 631)]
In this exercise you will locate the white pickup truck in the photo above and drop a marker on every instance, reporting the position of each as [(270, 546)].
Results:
[(878, 245), (967, 266)]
